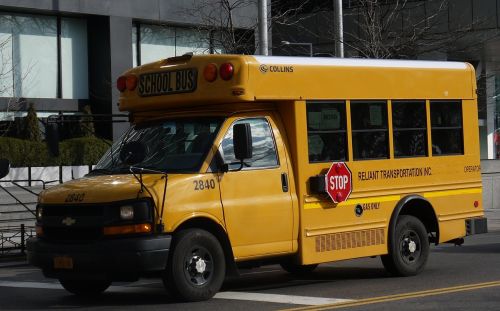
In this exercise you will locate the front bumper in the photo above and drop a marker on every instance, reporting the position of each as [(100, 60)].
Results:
[(124, 259)]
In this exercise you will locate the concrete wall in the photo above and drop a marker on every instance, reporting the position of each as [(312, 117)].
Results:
[(163, 11), (49, 174), (491, 183)]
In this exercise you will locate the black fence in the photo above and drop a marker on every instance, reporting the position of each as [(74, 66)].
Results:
[(13, 239), (17, 219)]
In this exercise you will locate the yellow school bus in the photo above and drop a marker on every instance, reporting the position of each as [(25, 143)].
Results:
[(234, 160)]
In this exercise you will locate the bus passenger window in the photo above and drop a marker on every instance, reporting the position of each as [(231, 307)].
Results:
[(369, 130), (326, 132), (264, 148), (446, 126), (409, 122)]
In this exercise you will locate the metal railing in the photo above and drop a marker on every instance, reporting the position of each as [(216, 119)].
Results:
[(13, 237)]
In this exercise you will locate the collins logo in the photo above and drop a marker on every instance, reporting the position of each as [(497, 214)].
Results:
[(275, 69), (68, 221)]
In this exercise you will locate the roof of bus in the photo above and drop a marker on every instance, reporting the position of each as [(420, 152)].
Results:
[(180, 81)]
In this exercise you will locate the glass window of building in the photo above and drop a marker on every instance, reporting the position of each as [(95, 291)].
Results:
[(74, 58), (154, 42), (29, 57)]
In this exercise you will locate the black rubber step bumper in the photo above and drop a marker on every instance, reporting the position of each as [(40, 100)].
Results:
[(476, 225), (124, 259)]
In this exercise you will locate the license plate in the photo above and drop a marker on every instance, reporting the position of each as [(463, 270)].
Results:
[(63, 262), (168, 82)]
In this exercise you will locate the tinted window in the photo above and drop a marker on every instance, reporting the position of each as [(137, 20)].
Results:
[(326, 132), (264, 148), (446, 125), (409, 129), (369, 130)]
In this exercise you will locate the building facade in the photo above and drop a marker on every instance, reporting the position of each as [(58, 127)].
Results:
[(61, 55)]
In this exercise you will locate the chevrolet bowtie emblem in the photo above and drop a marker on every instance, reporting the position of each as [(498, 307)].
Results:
[(68, 221)]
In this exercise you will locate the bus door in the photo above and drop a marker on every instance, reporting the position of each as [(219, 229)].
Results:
[(256, 199)]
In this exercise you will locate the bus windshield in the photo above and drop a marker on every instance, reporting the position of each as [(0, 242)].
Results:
[(174, 145)]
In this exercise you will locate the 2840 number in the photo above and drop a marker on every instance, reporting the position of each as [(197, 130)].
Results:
[(204, 184)]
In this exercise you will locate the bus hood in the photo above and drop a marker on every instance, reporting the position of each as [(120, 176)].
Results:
[(102, 189)]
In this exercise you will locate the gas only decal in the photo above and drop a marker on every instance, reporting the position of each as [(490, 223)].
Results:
[(338, 182)]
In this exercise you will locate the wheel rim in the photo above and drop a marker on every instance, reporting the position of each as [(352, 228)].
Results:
[(410, 247), (198, 266)]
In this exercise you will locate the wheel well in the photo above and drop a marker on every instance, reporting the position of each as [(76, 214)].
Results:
[(421, 209), (215, 229)]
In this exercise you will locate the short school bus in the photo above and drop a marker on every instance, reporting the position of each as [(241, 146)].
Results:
[(235, 160)]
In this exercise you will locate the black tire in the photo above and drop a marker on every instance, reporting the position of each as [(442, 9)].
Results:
[(409, 249), (85, 287), (197, 267), (297, 269)]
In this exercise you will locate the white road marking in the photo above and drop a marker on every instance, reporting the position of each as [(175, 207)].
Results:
[(260, 272), (275, 298), (288, 299), (40, 285)]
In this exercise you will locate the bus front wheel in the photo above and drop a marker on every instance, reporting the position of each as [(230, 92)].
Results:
[(409, 249), (197, 267)]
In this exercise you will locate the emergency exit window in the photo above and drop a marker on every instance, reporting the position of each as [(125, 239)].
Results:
[(447, 130), (326, 131)]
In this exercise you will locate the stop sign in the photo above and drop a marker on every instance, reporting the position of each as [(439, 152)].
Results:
[(338, 182)]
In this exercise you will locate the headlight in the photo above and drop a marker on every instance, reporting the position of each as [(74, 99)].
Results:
[(39, 213), (127, 212)]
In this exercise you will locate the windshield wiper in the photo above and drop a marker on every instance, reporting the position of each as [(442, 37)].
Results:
[(101, 171)]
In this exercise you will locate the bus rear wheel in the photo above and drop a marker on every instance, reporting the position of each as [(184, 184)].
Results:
[(409, 249), (85, 287), (197, 267)]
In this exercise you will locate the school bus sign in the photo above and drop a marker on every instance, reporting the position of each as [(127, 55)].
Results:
[(338, 181)]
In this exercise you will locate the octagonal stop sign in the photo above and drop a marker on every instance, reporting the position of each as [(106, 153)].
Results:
[(338, 182)]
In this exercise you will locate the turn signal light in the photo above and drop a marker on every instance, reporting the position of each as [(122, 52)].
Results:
[(210, 72), (39, 231), (121, 83), (226, 71), (128, 229)]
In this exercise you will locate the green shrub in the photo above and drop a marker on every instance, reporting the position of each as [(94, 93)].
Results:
[(75, 151), (31, 127)]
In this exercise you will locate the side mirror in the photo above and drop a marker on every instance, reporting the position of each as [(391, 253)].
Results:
[(242, 141), (52, 138), (4, 168)]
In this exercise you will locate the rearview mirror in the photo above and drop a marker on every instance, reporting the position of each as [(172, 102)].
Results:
[(242, 141), (52, 138), (4, 168), (133, 152)]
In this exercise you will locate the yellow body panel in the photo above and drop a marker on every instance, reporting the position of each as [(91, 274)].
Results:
[(259, 217)]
